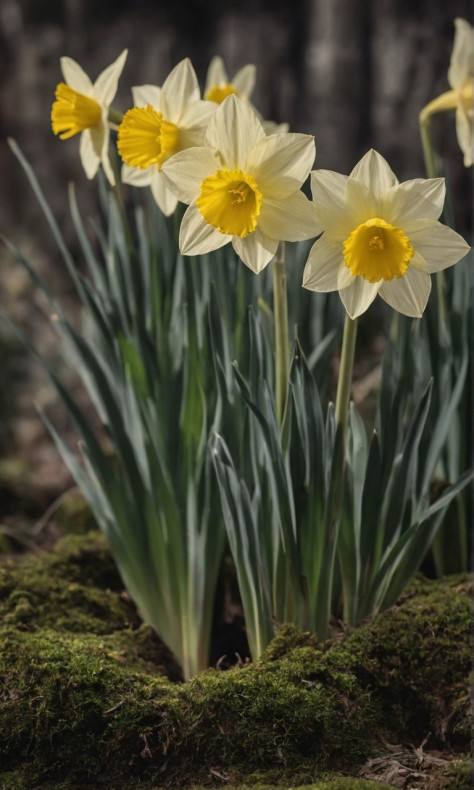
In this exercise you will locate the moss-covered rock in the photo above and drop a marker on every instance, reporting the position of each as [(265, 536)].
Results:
[(73, 515), (82, 699)]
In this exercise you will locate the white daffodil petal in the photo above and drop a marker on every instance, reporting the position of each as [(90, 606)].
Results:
[(333, 213), (358, 296), (137, 177), (164, 198), (361, 200), (256, 250), (187, 170), (244, 81), (90, 157), (143, 95), (461, 65), (374, 171), (281, 163), (408, 294), (290, 219), (100, 139), (272, 127), (233, 130), (75, 76), (465, 135), (197, 113), (420, 197), (325, 269), (196, 236), (179, 88), (436, 243), (216, 74), (106, 84)]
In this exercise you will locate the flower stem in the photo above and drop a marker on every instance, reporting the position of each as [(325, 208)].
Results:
[(282, 347), (345, 372), (431, 167), (115, 117)]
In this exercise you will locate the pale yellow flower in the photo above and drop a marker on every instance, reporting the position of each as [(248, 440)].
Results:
[(219, 86), (82, 107), (243, 187), (164, 121), (460, 98), (380, 237)]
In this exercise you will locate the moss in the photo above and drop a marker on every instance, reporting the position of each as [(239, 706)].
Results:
[(460, 775), (73, 515), (73, 588), (416, 658), (92, 706)]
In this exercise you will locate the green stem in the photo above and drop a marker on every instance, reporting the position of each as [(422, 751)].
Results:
[(345, 373), (115, 116), (431, 167), (282, 346)]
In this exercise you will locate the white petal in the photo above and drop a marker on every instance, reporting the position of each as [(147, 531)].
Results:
[(361, 201), (408, 294), (143, 95), (415, 199), (465, 134), (373, 170), (436, 243), (179, 88), (358, 296), (137, 177), (256, 250), (216, 74), (75, 76), (187, 170), (162, 194), (101, 137), (90, 156), (272, 127), (460, 68), (325, 269), (244, 81), (333, 213), (290, 219), (197, 113), (106, 84), (234, 130), (281, 163), (196, 236)]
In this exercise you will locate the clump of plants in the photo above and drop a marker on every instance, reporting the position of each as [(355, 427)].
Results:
[(217, 409)]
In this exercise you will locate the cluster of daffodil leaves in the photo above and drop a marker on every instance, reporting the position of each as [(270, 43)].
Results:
[(219, 423)]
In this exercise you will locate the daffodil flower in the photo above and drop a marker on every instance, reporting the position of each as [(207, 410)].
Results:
[(83, 108), (460, 98), (164, 121), (219, 86), (380, 237), (243, 187)]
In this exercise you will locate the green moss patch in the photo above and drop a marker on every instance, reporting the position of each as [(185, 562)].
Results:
[(84, 698)]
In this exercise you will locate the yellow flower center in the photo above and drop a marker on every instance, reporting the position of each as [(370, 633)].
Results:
[(377, 251), (231, 201), (146, 138), (72, 112), (220, 92)]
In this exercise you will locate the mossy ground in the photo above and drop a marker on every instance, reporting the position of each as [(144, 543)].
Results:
[(86, 697)]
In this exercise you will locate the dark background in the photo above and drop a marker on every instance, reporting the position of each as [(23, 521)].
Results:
[(353, 73)]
